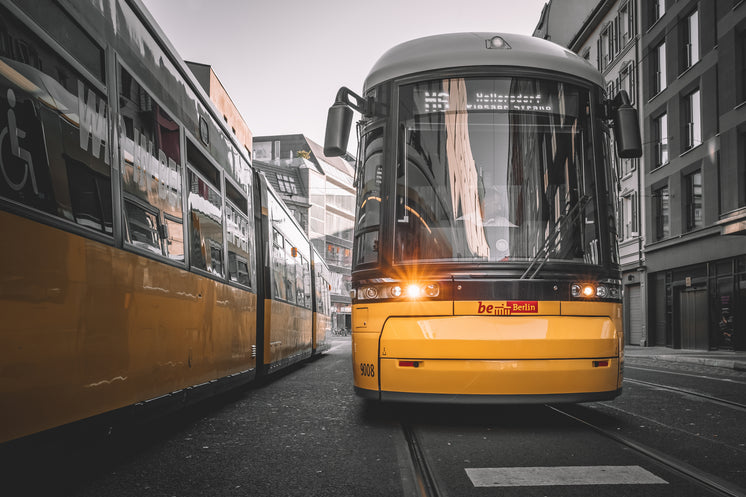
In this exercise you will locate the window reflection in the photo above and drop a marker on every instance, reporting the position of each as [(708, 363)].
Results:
[(488, 166)]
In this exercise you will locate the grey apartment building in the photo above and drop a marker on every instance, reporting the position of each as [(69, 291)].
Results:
[(694, 117), (682, 208)]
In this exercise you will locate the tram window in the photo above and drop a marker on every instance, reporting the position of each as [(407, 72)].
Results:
[(239, 243), (205, 226), (151, 169), (199, 162), (238, 269), (307, 282), (369, 179), (278, 265), (90, 195), (290, 274), (174, 246), (60, 25), (40, 148), (142, 227)]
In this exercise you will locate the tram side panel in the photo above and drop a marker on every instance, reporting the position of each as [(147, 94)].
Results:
[(88, 328), (288, 316)]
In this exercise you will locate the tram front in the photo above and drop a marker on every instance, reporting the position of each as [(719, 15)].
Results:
[(485, 258)]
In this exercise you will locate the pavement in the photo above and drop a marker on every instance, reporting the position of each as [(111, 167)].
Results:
[(718, 358)]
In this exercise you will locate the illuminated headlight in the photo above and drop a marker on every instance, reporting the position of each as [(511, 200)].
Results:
[(411, 291), (606, 289)]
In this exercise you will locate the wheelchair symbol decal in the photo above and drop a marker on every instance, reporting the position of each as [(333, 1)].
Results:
[(14, 134)]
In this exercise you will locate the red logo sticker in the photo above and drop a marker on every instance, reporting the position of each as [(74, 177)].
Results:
[(509, 308)]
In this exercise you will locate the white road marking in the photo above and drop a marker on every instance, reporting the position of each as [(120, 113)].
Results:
[(562, 475)]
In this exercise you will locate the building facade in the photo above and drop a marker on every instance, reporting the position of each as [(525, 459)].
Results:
[(319, 192), (694, 132), (682, 208)]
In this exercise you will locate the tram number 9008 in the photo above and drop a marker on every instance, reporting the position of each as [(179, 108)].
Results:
[(367, 370)]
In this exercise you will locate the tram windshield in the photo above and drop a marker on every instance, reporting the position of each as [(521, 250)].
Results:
[(488, 168)]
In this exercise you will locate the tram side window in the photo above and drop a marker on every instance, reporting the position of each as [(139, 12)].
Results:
[(369, 197), (239, 237), (307, 282), (205, 215), (54, 127), (151, 169), (290, 274), (278, 266)]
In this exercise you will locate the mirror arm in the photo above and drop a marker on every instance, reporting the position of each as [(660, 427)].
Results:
[(347, 97)]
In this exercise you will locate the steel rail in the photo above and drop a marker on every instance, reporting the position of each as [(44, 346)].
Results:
[(711, 482), (424, 477)]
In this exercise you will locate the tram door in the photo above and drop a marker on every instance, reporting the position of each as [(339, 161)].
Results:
[(693, 319)]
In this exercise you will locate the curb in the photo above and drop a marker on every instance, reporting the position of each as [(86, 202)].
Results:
[(705, 361)]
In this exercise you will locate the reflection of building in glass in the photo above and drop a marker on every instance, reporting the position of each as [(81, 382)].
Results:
[(464, 182), (318, 191)]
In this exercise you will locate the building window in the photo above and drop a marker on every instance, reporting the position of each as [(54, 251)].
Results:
[(627, 81), (625, 24), (658, 68), (660, 139), (657, 9), (692, 116), (286, 184), (694, 218), (630, 224), (690, 39), (662, 213), (604, 54)]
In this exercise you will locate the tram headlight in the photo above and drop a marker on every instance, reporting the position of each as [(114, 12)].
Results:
[(606, 290), (408, 291), (368, 293)]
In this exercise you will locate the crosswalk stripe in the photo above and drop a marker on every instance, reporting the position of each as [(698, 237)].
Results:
[(562, 475)]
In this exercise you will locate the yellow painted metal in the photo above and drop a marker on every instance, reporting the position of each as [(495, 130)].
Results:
[(287, 331), (542, 348), (87, 328), (494, 377), (365, 360), (492, 337), (322, 325), (369, 318)]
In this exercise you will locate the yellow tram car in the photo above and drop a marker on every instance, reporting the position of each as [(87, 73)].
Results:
[(485, 262), (143, 262)]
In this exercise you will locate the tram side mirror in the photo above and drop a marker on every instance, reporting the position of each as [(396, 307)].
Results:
[(626, 127), (339, 120)]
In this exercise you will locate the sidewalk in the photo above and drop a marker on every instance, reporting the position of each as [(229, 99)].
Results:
[(716, 358)]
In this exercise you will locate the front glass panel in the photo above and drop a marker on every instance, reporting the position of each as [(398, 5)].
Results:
[(490, 168)]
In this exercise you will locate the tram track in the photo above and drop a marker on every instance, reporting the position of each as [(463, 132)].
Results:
[(715, 400), (712, 483), (424, 477)]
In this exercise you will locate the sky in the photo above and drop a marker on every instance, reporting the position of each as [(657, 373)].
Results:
[(282, 61)]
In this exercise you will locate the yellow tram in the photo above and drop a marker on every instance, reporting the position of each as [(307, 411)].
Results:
[(485, 264), (143, 262)]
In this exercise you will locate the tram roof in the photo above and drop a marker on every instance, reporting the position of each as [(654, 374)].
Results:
[(453, 50)]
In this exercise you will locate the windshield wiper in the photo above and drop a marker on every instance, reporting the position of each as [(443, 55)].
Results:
[(543, 253)]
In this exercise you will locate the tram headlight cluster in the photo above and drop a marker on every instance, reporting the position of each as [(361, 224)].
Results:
[(606, 290), (397, 290)]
